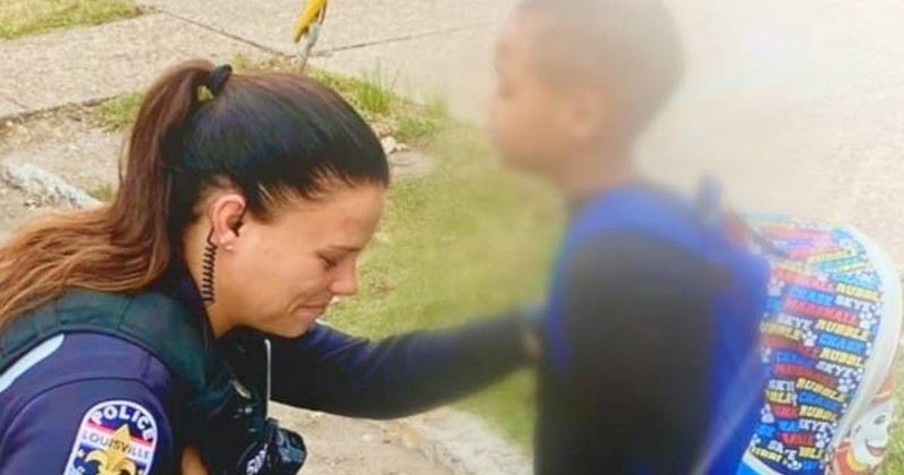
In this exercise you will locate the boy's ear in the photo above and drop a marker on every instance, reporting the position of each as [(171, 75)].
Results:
[(590, 112)]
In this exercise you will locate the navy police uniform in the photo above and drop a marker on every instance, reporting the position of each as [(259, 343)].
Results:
[(86, 402)]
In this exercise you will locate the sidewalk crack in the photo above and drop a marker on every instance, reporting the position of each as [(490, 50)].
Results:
[(326, 52), (227, 34), (13, 101), (400, 39)]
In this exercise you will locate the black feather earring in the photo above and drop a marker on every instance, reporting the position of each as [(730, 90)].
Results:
[(208, 264)]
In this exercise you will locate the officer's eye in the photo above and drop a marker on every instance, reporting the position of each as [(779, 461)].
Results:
[(328, 263)]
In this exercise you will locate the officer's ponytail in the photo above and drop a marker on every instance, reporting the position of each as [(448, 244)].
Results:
[(140, 210), (273, 136)]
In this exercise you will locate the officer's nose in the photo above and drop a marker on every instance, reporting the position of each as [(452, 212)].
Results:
[(346, 279)]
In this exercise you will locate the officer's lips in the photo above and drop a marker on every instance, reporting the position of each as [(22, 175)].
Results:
[(316, 309)]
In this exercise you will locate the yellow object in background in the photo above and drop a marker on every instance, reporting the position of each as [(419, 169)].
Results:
[(307, 29), (313, 11)]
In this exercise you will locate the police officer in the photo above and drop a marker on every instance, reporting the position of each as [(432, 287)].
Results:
[(167, 318)]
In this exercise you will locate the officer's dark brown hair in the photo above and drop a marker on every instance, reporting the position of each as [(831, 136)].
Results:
[(273, 136)]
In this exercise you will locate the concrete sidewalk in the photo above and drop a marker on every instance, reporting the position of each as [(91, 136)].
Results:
[(351, 23), (422, 48), (798, 109), (86, 64)]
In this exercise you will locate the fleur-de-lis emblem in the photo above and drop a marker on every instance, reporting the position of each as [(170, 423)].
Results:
[(115, 459)]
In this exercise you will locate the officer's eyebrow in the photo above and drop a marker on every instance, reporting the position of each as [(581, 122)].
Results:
[(344, 248)]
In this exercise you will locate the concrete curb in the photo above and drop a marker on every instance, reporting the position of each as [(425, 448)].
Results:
[(463, 443)]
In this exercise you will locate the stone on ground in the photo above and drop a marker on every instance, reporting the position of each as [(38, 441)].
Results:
[(86, 158), (17, 208)]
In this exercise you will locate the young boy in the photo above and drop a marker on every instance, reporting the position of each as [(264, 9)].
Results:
[(650, 357)]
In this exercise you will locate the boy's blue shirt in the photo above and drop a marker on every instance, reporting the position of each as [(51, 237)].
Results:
[(661, 283)]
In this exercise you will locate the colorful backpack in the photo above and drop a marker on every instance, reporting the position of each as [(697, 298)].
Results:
[(830, 332)]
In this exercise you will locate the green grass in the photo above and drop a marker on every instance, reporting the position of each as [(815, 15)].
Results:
[(467, 240), (26, 17), (894, 461), (371, 95), (119, 113), (430, 120), (103, 193)]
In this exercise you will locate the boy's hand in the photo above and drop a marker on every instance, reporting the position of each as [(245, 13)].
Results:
[(531, 322)]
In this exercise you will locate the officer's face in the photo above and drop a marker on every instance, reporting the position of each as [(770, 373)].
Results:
[(279, 275)]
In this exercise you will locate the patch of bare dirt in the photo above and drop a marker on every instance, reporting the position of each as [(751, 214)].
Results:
[(343, 446), (66, 143)]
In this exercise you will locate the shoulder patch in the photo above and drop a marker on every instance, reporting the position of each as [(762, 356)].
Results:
[(114, 437)]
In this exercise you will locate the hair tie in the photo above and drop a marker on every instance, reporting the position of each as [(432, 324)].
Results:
[(215, 82)]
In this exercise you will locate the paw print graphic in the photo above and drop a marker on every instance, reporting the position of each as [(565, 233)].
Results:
[(766, 355), (756, 440), (846, 384), (809, 337), (766, 415), (775, 287), (822, 439), (791, 461), (867, 320)]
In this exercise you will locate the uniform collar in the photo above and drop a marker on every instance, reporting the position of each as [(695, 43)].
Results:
[(178, 284)]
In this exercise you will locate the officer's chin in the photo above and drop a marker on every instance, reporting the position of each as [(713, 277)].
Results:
[(290, 331), (294, 326)]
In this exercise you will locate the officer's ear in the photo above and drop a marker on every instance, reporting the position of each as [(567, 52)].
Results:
[(226, 213)]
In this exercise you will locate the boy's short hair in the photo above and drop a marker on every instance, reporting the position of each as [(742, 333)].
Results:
[(632, 46)]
